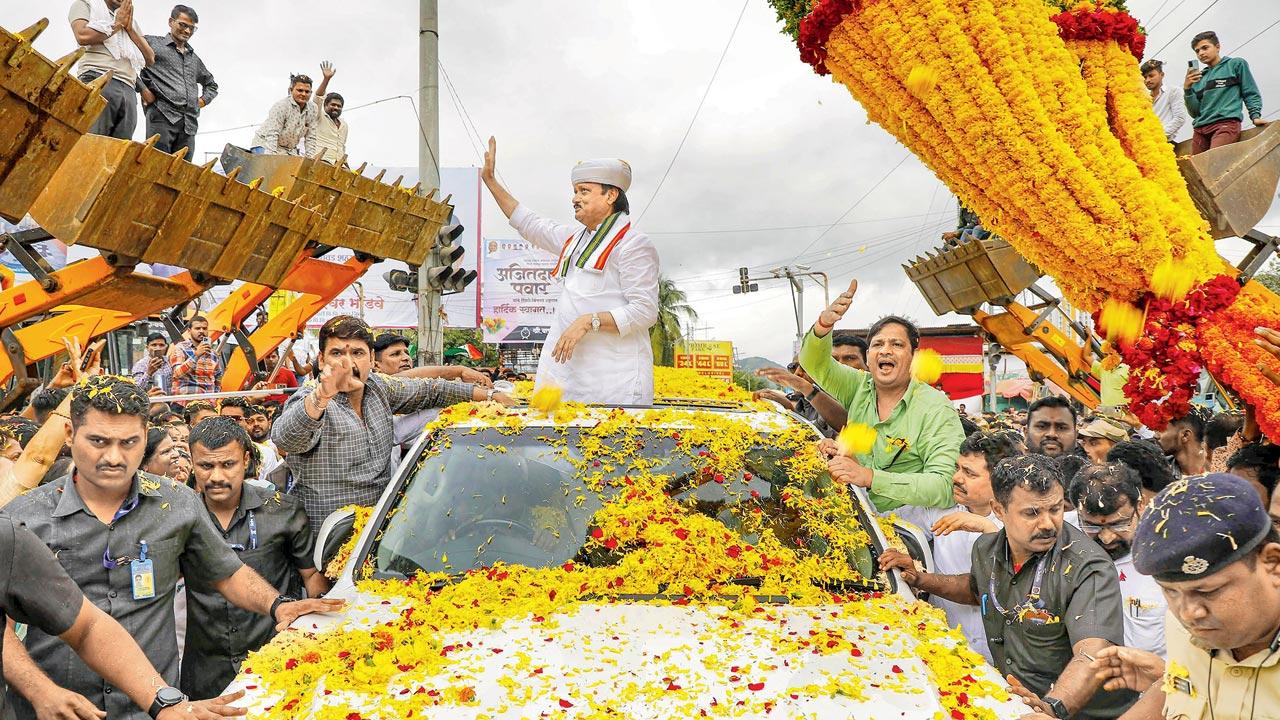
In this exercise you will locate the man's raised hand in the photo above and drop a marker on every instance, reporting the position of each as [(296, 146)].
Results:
[(490, 160), (339, 376), (327, 69), (829, 317)]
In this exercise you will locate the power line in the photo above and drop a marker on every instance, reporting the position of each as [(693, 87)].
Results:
[(855, 204), (1167, 15), (694, 119), (874, 241), (1255, 37), (346, 110), (463, 117), (1184, 28)]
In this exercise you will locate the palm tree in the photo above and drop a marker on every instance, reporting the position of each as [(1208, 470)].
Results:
[(675, 317)]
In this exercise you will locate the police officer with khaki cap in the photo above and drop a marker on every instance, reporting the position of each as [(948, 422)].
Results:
[(1212, 548)]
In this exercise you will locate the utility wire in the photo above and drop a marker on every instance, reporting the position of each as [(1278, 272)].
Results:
[(1255, 37), (855, 204), (1184, 28), (694, 119), (1167, 15), (781, 228)]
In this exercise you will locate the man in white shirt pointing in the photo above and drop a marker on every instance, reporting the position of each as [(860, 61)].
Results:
[(598, 349)]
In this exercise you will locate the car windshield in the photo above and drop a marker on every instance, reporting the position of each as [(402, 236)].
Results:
[(480, 496)]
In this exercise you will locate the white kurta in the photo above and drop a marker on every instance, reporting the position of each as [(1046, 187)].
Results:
[(606, 369)]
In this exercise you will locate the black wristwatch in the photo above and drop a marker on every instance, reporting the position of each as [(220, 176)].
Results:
[(275, 604), (166, 697), (813, 393), (1057, 707)]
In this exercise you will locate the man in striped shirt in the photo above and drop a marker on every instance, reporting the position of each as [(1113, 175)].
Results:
[(195, 367)]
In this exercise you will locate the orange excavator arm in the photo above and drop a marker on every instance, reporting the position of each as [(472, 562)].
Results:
[(319, 282), (1047, 351)]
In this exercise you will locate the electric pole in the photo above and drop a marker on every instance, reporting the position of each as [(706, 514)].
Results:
[(430, 300), (795, 276)]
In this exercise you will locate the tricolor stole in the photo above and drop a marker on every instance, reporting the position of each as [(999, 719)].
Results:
[(594, 256)]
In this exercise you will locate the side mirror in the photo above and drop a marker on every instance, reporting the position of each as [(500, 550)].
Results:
[(917, 543), (334, 533)]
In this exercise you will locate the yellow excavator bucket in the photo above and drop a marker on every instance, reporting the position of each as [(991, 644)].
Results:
[(134, 201), (1233, 186), (44, 109), (960, 277), (364, 214)]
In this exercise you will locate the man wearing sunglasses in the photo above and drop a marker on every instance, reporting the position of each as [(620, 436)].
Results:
[(1109, 500), (177, 85)]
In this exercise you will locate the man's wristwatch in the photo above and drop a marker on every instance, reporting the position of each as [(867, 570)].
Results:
[(595, 322), (166, 697), (275, 604), (813, 393), (1057, 707)]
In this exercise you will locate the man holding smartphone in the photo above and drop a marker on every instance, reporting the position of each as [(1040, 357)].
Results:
[(194, 366), (152, 372), (1214, 95)]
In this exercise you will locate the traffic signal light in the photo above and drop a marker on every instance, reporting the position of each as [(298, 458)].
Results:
[(402, 280), (443, 273), (744, 283)]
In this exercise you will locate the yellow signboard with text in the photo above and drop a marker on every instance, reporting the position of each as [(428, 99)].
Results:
[(713, 358)]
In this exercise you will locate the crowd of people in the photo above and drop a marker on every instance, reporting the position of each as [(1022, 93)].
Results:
[(173, 83), (189, 525), (1086, 557)]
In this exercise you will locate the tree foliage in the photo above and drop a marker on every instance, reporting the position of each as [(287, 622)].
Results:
[(675, 318), (1270, 276)]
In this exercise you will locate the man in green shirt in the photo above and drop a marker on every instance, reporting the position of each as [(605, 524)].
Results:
[(918, 432), (1214, 95)]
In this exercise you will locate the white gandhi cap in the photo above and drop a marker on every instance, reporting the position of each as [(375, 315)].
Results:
[(607, 171)]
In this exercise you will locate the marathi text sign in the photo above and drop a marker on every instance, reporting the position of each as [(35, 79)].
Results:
[(517, 293), (712, 358)]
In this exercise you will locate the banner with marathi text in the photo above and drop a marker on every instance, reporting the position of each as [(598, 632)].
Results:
[(517, 294), (712, 358)]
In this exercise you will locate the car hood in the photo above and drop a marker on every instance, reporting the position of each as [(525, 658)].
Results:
[(891, 659)]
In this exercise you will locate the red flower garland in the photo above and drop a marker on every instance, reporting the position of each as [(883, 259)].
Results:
[(1098, 24), (817, 27), (1101, 24), (1165, 362)]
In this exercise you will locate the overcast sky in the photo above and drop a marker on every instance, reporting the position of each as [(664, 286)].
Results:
[(775, 157)]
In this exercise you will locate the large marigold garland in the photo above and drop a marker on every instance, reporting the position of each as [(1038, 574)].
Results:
[(1033, 113)]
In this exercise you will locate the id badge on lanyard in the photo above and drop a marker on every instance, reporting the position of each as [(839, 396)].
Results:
[(143, 574)]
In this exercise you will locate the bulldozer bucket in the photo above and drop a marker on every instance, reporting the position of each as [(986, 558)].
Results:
[(361, 213), (136, 202), (1233, 185), (961, 277), (44, 110)]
